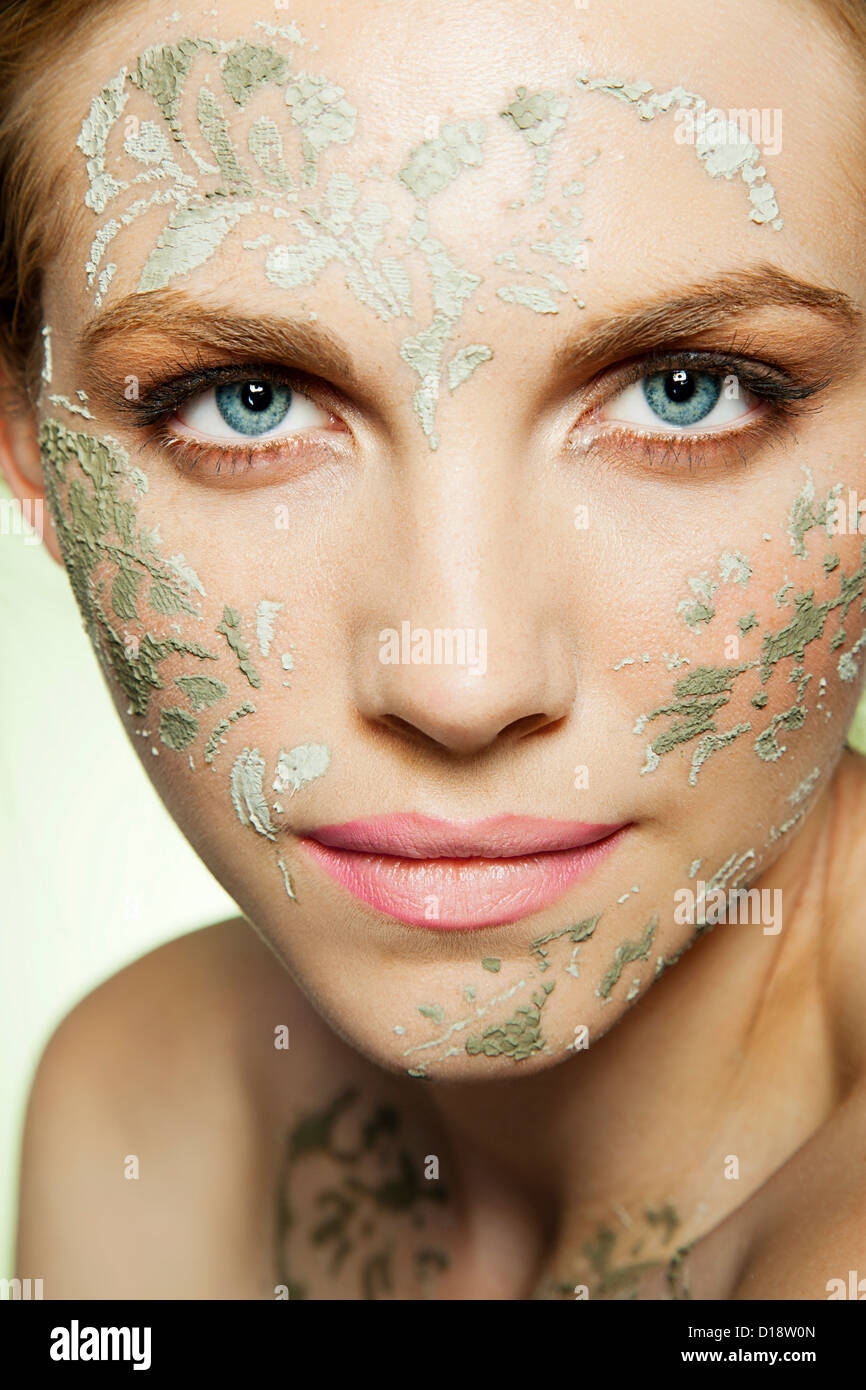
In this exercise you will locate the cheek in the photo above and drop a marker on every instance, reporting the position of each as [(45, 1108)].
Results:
[(203, 682), (753, 659)]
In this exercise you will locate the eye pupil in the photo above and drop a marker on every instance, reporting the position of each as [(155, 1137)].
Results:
[(256, 395), (679, 386)]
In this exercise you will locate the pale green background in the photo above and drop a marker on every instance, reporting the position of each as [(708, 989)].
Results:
[(93, 872)]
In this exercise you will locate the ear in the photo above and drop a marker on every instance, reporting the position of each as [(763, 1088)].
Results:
[(21, 466)]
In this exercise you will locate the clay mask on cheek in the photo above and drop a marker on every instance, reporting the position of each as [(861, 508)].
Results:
[(134, 602), (698, 697), (115, 566)]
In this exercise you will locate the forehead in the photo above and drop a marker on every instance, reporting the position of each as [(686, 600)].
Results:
[(532, 147), (407, 69)]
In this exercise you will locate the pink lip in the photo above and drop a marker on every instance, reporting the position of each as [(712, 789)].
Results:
[(459, 875)]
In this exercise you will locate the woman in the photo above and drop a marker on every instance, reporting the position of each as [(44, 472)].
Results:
[(450, 421)]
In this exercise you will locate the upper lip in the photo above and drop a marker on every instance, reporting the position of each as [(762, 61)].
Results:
[(414, 836)]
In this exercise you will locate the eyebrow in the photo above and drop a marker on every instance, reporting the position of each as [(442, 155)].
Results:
[(706, 305), (306, 344), (309, 346)]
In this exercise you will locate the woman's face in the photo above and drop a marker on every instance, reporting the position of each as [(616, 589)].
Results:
[(436, 427)]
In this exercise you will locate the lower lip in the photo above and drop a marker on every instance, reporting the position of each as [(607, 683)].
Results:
[(459, 894)]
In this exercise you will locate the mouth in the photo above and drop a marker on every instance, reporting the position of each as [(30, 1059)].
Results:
[(459, 875)]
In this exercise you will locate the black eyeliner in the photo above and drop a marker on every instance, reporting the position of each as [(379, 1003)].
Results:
[(770, 383), (158, 401)]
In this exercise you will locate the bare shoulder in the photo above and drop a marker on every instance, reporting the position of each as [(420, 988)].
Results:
[(149, 1113), (163, 1017)]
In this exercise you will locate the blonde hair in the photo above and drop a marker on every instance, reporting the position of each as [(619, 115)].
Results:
[(33, 216)]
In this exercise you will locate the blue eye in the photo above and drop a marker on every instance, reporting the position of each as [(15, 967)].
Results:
[(253, 407), (681, 397), (250, 409)]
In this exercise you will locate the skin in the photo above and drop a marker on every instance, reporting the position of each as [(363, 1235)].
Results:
[(748, 1045)]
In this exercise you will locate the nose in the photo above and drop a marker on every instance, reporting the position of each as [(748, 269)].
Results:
[(421, 689), (460, 640)]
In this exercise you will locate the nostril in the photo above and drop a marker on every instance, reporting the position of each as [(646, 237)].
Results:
[(402, 726), (519, 728)]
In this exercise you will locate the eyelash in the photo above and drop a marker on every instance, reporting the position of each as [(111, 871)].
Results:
[(786, 398), (188, 454), (153, 411)]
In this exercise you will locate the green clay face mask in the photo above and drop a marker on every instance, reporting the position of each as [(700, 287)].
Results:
[(202, 135), (698, 698), (208, 150), (132, 596), (719, 143)]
